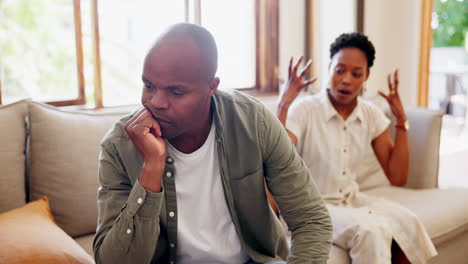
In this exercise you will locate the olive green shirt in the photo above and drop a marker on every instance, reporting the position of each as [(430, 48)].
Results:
[(138, 226)]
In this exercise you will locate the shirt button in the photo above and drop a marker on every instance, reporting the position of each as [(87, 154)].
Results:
[(139, 200), (344, 128), (370, 211), (341, 190), (172, 245), (170, 160), (344, 150), (171, 214), (129, 231), (168, 174), (344, 172)]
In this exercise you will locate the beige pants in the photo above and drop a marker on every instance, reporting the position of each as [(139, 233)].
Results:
[(367, 226)]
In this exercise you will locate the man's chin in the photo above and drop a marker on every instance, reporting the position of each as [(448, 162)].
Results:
[(168, 133)]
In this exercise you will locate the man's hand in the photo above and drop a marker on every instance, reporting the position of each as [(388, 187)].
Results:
[(145, 133), (296, 83), (393, 98)]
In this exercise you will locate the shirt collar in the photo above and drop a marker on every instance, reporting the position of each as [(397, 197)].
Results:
[(330, 111)]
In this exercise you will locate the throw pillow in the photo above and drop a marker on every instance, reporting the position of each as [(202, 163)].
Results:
[(29, 235)]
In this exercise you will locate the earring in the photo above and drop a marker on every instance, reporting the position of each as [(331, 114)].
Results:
[(363, 89)]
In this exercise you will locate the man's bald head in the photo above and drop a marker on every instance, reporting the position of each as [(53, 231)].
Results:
[(179, 81), (191, 40)]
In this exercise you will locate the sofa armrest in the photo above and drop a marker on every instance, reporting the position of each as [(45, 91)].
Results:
[(424, 144)]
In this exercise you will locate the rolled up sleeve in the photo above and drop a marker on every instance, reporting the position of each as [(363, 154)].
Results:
[(128, 215), (296, 194)]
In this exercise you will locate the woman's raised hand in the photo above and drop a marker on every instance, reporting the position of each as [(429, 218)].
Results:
[(393, 98), (296, 83)]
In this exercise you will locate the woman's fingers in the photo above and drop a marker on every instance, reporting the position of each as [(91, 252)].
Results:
[(389, 82), (306, 68), (297, 65), (384, 96), (290, 67), (395, 80), (310, 81), (393, 84)]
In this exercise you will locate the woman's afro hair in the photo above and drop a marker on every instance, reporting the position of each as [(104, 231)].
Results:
[(354, 40)]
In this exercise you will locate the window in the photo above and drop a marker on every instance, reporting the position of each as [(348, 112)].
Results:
[(38, 52), (91, 51), (127, 30)]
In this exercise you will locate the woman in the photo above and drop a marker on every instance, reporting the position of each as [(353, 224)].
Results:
[(345, 142)]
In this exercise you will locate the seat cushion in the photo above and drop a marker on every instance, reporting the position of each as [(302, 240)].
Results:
[(64, 148), (29, 235), (444, 212), (86, 242), (12, 155)]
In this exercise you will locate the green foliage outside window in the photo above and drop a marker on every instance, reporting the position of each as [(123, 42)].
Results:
[(37, 50), (450, 23)]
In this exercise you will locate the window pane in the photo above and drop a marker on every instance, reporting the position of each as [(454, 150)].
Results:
[(37, 50), (232, 23), (127, 31)]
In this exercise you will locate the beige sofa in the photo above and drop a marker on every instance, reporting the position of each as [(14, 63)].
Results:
[(52, 152)]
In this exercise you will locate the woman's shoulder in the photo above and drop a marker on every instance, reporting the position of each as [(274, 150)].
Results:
[(371, 105), (372, 110), (309, 101)]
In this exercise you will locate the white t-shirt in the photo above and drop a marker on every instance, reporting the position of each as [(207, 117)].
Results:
[(338, 152), (205, 231)]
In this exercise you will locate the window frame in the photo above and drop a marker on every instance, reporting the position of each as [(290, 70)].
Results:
[(425, 45), (79, 62), (267, 47), (266, 50), (267, 54)]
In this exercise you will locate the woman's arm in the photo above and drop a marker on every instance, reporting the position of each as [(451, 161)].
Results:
[(394, 159), (296, 83), (282, 113)]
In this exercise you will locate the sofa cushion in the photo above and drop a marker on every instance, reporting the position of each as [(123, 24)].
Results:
[(424, 144), (12, 158), (29, 235), (64, 148), (444, 212), (86, 242)]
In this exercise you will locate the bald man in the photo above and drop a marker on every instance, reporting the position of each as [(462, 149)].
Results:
[(182, 179)]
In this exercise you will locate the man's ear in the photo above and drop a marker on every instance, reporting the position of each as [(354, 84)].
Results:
[(214, 85)]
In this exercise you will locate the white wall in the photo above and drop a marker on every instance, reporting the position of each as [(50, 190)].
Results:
[(394, 28), (333, 21), (291, 33)]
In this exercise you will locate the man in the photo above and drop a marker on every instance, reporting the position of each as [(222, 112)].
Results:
[(182, 180)]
